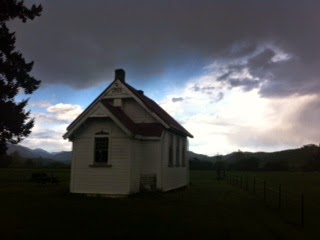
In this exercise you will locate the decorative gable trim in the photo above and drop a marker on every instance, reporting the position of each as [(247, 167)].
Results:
[(94, 111), (136, 130), (117, 89), (90, 113)]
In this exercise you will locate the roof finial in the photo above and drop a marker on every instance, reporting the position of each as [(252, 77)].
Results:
[(120, 74)]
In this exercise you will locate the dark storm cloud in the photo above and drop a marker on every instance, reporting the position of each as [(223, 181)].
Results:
[(177, 99), (246, 84), (220, 96), (81, 43), (207, 90), (275, 78), (261, 60)]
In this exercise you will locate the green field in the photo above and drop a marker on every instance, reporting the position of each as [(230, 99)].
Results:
[(208, 209), (295, 183)]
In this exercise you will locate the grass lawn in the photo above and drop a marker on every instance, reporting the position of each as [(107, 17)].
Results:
[(307, 183), (208, 209)]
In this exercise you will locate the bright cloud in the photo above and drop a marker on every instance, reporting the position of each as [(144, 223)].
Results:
[(51, 125), (40, 104), (242, 119), (65, 112)]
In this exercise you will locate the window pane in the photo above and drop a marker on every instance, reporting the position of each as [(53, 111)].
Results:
[(170, 162), (101, 149), (178, 152), (183, 152)]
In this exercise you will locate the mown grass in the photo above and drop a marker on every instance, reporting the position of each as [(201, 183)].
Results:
[(208, 209)]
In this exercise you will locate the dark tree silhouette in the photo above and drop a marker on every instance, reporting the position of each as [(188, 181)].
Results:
[(15, 122), (245, 164)]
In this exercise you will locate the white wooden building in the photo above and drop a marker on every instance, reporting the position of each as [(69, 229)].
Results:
[(124, 143)]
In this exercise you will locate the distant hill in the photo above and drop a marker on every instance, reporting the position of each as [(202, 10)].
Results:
[(304, 158), (294, 158), (63, 156), (197, 156), (297, 156), (22, 151), (25, 152), (42, 153)]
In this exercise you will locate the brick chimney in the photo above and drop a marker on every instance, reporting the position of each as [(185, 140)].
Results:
[(120, 74)]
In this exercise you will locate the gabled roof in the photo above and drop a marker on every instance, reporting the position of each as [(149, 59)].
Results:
[(154, 107), (142, 129)]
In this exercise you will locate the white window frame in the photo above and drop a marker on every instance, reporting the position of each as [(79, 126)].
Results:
[(170, 151), (183, 152), (178, 152), (101, 135)]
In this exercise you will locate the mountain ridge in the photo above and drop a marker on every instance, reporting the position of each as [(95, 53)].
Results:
[(25, 152), (297, 156)]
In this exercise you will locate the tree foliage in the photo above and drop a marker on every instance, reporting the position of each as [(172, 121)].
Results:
[(277, 165), (313, 164), (245, 164), (196, 164), (15, 121)]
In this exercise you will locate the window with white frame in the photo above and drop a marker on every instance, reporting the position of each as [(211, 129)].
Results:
[(170, 152), (183, 153), (101, 148), (177, 152)]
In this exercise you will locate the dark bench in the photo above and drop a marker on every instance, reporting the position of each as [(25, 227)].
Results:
[(42, 177)]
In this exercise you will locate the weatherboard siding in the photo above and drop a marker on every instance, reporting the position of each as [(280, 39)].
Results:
[(173, 177), (135, 166), (151, 159), (137, 113), (146, 159), (101, 180), (73, 162)]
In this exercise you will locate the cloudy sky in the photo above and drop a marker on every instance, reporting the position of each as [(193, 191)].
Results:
[(238, 74)]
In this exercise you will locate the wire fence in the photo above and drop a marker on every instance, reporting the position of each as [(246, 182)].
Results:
[(290, 205)]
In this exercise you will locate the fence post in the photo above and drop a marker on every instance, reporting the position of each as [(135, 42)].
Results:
[(264, 190), (302, 210), (279, 204), (254, 185)]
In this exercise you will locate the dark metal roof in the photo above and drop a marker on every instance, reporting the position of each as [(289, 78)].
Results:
[(154, 107)]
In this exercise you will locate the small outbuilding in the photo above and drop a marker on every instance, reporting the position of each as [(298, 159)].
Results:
[(124, 143)]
